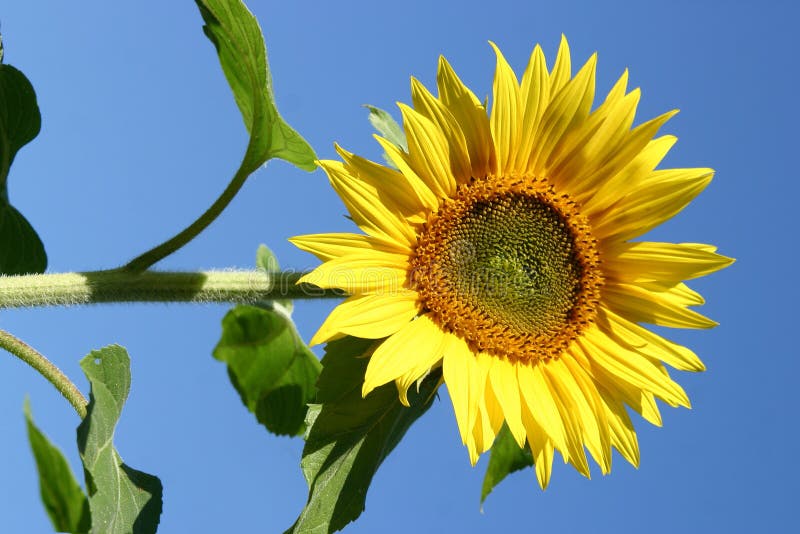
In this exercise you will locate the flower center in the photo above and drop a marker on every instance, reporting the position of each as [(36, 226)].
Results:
[(510, 267)]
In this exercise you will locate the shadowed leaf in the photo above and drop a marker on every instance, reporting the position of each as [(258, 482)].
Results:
[(21, 250), (270, 366), (349, 436)]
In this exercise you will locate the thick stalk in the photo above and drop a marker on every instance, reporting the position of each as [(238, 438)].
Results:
[(45, 367), (154, 286)]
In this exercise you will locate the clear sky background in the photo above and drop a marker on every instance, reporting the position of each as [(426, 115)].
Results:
[(140, 134)]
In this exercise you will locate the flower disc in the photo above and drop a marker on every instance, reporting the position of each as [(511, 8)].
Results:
[(508, 267)]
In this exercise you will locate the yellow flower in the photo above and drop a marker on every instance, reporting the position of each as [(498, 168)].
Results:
[(500, 249)]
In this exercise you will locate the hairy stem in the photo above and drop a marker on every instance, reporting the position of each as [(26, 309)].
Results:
[(45, 367), (154, 286)]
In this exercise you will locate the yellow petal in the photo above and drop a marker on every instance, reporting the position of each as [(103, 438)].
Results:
[(596, 432), (589, 146), (465, 384), (490, 414), (505, 115), (623, 436), (645, 342), (401, 351), (642, 305), (534, 98), (369, 316), (330, 246), (365, 207), (428, 152), (541, 404), (650, 261), (570, 417), (392, 187), (373, 272), (643, 402), (562, 69), (505, 385), (420, 186), (541, 448), (429, 106), (613, 184), (427, 359), (471, 115), (584, 397), (632, 368), (662, 197), (567, 108)]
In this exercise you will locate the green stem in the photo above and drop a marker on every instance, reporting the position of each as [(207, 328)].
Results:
[(151, 257), (154, 286), (45, 367)]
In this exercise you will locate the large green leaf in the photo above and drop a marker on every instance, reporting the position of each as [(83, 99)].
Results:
[(270, 366), (506, 458), (243, 56), (349, 436), (62, 496), (21, 250), (121, 499)]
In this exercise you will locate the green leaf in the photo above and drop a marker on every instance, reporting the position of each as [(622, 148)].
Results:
[(243, 56), (121, 499), (62, 496), (506, 458), (350, 436), (21, 250), (270, 366)]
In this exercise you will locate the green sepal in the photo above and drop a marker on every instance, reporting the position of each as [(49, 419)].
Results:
[(350, 436), (121, 499), (65, 502), (389, 128), (506, 458)]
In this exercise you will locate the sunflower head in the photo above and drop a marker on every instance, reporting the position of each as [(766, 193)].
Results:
[(500, 247)]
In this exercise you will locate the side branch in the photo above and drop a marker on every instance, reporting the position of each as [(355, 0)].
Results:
[(154, 286), (45, 367)]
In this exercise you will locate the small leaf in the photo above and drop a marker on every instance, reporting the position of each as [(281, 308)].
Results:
[(350, 436), (270, 366), (243, 57), (268, 263), (506, 458), (21, 250), (121, 499), (386, 125), (62, 496)]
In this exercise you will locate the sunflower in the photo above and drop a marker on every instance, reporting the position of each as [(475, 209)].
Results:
[(499, 248)]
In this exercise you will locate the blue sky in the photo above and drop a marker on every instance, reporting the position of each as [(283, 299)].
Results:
[(140, 134)]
